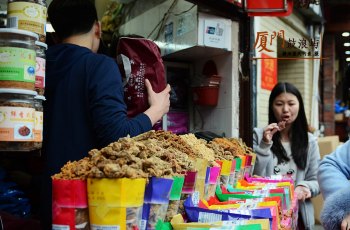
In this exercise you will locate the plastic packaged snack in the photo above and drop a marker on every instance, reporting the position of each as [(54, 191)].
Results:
[(69, 205), (175, 196), (156, 202), (119, 206)]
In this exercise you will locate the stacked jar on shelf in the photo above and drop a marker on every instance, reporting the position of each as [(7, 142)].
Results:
[(22, 75)]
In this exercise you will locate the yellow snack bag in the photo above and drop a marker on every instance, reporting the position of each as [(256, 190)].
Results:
[(115, 203), (201, 168)]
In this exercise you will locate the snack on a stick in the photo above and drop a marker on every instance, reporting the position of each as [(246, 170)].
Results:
[(281, 125)]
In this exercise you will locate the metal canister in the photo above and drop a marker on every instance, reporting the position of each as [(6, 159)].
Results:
[(40, 49), (28, 15), (17, 58), (39, 121), (17, 114)]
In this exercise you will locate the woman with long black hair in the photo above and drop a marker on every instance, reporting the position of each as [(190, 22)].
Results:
[(284, 147)]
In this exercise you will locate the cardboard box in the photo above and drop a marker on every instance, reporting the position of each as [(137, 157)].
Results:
[(339, 116), (328, 144), (317, 202)]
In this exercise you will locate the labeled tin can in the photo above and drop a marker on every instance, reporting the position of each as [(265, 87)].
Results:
[(40, 49), (17, 58), (38, 121), (28, 15), (17, 115)]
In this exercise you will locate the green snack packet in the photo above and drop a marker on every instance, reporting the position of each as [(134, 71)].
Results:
[(163, 225), (175, 193)]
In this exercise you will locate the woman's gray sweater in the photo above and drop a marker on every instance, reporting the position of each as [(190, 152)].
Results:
[(264, 166)]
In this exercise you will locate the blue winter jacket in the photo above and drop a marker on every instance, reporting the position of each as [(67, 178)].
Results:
[(333, 177)]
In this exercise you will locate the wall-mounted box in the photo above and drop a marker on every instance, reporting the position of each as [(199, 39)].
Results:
[(195, 29)]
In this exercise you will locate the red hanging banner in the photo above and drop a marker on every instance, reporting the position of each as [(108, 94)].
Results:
[(268, 72)]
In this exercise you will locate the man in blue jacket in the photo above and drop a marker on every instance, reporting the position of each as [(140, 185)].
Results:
[(84, 106)]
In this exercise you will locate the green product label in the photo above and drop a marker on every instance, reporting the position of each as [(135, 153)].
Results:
[(17, 64), (238, 163), (175, 193), (248, 227)]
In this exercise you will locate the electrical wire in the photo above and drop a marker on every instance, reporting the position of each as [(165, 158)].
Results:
[(185, 11), (165, 17)]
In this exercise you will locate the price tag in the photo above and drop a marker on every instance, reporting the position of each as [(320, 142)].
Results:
[(195, 198), (205, 217)]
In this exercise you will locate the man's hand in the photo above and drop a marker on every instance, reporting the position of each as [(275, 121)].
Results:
[(159, 102)]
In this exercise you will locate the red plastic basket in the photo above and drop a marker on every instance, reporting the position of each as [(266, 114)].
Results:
[(206, 95)]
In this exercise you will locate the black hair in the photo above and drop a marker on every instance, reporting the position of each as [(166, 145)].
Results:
[(71, 17), (298, 133)]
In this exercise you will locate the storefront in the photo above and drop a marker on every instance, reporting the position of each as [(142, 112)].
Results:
[(180, 31), (221, 83)]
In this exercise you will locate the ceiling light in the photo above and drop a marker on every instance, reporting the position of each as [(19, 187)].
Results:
[(347, 59), (347, 44), (345, 34), (347, 52)]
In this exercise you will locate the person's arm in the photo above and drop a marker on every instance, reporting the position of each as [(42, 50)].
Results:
[(336, 209), (334, 171), (263, 153), (310, 180), (107, 109)]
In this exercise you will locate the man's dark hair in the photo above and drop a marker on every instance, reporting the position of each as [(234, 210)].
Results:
[(72, 17), (298, 133)]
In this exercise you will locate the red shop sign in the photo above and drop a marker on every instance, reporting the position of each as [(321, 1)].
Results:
[(277, 8)]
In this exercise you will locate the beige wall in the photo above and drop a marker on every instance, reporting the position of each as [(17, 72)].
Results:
[(298, 72)]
